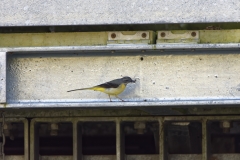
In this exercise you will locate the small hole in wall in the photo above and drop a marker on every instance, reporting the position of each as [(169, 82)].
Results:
[(141, 58)]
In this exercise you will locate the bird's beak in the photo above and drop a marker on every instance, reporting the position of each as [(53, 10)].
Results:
[(133, 81)]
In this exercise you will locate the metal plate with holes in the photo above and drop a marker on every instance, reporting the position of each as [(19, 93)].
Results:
[(139, 37), (42, 79), (178, 37), (64, 12)]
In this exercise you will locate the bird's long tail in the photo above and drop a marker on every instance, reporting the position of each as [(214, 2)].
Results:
[(91, 88)]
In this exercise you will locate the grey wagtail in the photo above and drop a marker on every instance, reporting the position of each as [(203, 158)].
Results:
[(114, 87)]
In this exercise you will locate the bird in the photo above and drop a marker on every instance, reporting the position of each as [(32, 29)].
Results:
[(114, 87)]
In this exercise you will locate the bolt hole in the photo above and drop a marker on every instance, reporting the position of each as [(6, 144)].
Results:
[(163, 34), (113, 35), (193, 34), (141, 58), (144, 35)]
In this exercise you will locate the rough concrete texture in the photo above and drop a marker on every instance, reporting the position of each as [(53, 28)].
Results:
[(90, 12)]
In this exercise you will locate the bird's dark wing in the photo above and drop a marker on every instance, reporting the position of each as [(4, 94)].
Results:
[(112, 84)]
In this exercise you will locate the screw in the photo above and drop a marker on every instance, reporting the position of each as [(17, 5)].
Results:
[(113, 35), (144, 35), (193, 34), (163, 34)]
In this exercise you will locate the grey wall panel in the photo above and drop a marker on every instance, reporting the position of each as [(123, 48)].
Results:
[(88, 12), (171, 77)]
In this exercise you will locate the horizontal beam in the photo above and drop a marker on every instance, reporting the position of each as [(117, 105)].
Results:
[(206, 38), (64, 12), (139, 157), (117, 48), (208, 77), (132, 119), (126, 111), (97, 104), (134, 157)]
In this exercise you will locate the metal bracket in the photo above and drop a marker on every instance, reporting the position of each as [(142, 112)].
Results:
[(178, 37), (129, 37), (3, 58)]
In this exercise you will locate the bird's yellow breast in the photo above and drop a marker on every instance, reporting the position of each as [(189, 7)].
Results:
[(111, 91)]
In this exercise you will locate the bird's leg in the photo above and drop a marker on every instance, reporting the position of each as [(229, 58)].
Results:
[(110, 98), (119, 98)]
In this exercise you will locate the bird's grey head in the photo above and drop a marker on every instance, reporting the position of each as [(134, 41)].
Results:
[(127, 80)]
